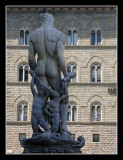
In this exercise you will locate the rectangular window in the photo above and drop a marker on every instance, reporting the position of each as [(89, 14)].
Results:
[(73, 137), (96, 137), (22, 136)]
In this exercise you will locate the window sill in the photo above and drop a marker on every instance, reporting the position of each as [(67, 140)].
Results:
[(71, 83), (68, 123), (18, 123)]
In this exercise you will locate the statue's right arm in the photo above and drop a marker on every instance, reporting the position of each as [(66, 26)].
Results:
[(60, 53), (32, 87), (31, 54)]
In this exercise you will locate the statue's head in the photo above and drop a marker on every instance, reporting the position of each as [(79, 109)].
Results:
[(46, 18)]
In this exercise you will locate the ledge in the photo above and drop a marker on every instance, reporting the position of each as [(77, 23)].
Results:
[(18, 123), (68, 123), (92, 84), (71, 84), (17, 46), (90, 46), (91, 123), (18, 83), (68, 46)]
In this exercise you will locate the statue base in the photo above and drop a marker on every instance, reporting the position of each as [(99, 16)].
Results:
[(52, 143)]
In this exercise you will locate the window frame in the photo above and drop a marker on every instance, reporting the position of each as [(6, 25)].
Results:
[(96, 30), (96, 65), (72, 29), (96, 104), (24, 65), (20, 135), (71, 65), (72, 104), (23, 104), (24, 39), (96, 140)]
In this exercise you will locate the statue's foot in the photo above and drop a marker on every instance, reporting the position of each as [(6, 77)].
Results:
[(65, 130)]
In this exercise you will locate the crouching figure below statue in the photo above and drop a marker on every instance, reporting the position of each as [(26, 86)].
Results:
[(50, 101)]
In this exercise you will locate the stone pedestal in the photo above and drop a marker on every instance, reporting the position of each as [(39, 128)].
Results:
[(52, 149), (52, 143)]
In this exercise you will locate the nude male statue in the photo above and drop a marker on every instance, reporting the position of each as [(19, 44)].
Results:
[(48, 43)]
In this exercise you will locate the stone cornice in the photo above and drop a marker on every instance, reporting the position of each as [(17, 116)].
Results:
[(68, 123), (71, 84), (68, 47), (63, 9)]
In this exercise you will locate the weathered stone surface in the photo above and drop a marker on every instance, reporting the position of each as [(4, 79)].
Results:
[(52, 143)]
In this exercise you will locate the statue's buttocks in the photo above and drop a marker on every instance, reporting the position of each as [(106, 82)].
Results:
[(44, 40)]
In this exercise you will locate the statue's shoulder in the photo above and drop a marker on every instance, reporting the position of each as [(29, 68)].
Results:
[(32, 36), (61, 36)]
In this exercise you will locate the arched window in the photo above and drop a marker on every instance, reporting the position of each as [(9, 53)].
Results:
[(23, 72), (24, 36), (72, 112), (72, 67), (96, 36), (22, 111), (96, 72), (72, 37), (95, 111)]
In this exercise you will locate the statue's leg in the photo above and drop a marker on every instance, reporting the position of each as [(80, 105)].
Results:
[(55, 123), (55, 83), (63, 114), (34, 124), (44, 124), (43, 79)]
